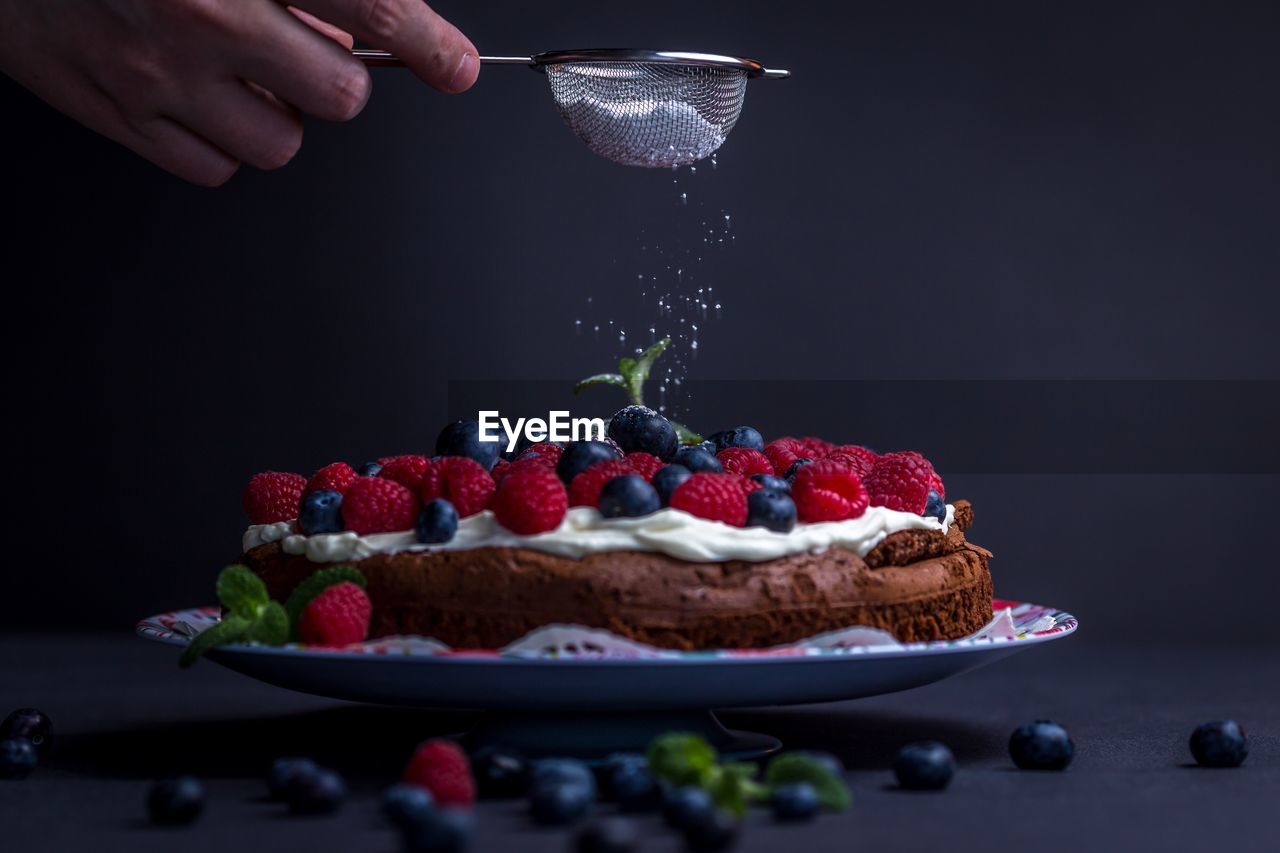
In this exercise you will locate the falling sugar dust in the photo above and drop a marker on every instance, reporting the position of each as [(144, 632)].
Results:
[(673, 292)]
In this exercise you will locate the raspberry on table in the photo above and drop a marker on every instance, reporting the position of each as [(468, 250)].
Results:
[(272, 496), (901, 481), (462, 481), (585, 488), (645, 464), (716, 497), (440, 766), (744, 461), (783, 452), (828, 490), (335, 477), (336, 617), (531, 500), (377, 505), (407, 470)]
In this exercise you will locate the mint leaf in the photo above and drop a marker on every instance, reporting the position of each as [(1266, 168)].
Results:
[(732, 787), (271, 628), (317, 583), (682, 758), (241, 591), (601, 379), (232, 629), (794, 767), (686, 435), (637, 370)]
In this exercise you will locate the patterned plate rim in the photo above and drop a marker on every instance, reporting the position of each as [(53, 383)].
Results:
[(1034, 624)]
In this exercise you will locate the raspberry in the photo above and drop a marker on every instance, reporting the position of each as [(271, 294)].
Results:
[(521, 464), (272, 496), (499, 470), (828, 490), (442, 768), (377, 505), (817, 447), (718, 497), (783, 452), (744, 461), (336, 477), (336, 617), (531, 500), (902, 481), (546, 449), (460, 480), (856, 457), (406, 470), (585, 488), (645, 464)]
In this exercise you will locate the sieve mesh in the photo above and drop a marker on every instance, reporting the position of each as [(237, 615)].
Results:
[(648, 114)]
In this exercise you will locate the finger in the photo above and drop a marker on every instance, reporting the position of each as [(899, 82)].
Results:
[(325, 28), (306, 69), (431, 46), (178, 150), (243, 124)]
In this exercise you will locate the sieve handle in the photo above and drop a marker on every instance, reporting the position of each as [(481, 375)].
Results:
[(382, 59)]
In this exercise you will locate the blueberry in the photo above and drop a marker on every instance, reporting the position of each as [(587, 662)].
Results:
[(1041, 745), (443, 831), (924, 766), (666, 480), (462, 438), (772, 483), (31, 724), (284, 770), (558, 802), (796, 801), (685, 806), (175, 802), (407, 804), (635, 789), (714, 832), (698, 460), (743, 436), (613, 763), (316, 793), (500, 773), (935, 506), (1219, 744), (564, 770), (17, 758), (608, 835), (795, 467), (437, 522), (368, 469), (581, 455), (320, 512), (773, 510), (628, 496), (637, 428)]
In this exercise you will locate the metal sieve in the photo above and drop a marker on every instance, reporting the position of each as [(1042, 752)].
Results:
[(649, 108)]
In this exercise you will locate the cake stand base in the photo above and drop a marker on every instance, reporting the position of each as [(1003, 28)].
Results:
[(594, 736)]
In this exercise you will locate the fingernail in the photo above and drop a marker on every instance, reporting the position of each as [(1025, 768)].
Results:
[(465, 75)]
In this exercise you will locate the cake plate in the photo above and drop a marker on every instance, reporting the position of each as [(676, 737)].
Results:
[(589, 703)]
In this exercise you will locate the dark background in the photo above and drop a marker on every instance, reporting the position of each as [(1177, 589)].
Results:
[(991, 191)]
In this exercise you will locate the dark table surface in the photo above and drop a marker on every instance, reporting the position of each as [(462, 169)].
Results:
[(124, 714)]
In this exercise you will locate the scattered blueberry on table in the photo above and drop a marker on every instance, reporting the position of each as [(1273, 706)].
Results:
[(714, 832), (557, 802), (501, 773), (684, 806), (282, 773), (31, 724), (635, 789), (1221, 743), (404, 804), (608, 835), (442, 831), (1041, 745), (17, 758), (318, 793), (175, 802), (924, 766), (796, 801)]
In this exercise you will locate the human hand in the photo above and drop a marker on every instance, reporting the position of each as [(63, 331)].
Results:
[(198, 86)]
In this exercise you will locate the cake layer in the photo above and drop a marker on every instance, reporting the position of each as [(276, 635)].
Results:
[(916, 584)]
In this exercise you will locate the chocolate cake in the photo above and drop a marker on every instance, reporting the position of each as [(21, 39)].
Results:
[(917, 584)]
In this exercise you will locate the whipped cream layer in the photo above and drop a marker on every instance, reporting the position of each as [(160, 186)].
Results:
[(585, 531)]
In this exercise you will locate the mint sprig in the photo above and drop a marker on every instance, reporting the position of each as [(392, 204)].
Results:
[(792, 767), (631, 376), (316, 583), (683, 758), (249, 615)]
